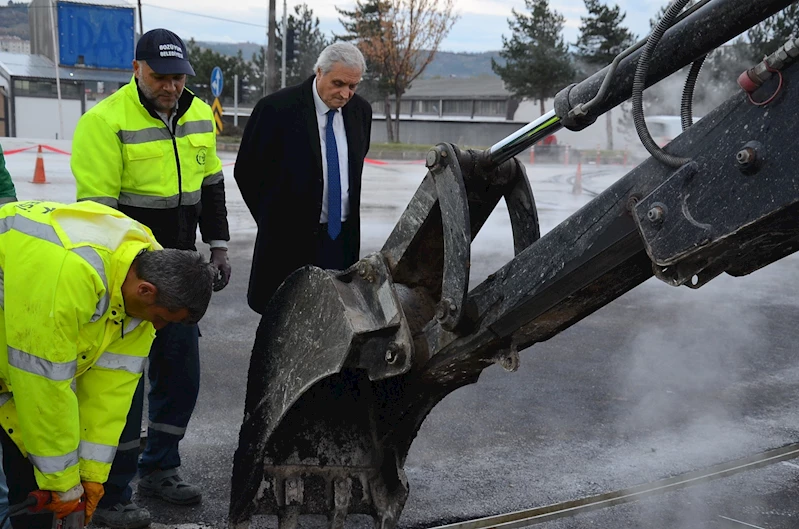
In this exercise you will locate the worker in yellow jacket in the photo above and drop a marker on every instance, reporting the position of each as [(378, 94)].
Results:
[(82, 290)]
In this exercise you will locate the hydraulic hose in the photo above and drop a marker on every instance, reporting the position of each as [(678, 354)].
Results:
[(686, 106), (639, 83)]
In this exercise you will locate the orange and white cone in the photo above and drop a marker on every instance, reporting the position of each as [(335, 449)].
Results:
[(577, 188), (38, 173)]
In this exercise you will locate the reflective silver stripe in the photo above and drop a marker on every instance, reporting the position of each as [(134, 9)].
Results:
[(132, 364), (192, 197), (130, 137), (97, 452), (130, 445), (5, 397), (6, 200), (167, 428), (194, 127), (106, 201), (151, 202), (212, 179), (39, 366), (93, 258), (53, 464), (30, 227), (132, 324)]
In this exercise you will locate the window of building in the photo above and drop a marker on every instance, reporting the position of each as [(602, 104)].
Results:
[(97, 90), (490, 108), (425, 107), (33, 88), (457, 107)]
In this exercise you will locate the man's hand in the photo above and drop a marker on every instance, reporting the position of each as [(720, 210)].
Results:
[(59, 503), (220, 260), (93, 492)]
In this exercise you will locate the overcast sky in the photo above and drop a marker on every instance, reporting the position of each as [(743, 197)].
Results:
[(479, 28)]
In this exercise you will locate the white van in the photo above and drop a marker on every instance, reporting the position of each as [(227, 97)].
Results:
[(665, 128)]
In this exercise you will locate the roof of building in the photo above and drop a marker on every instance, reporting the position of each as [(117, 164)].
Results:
[(103, 3), (40, 67), (457, 88)]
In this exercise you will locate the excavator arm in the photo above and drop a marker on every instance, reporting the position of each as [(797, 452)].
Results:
[(347, 364)]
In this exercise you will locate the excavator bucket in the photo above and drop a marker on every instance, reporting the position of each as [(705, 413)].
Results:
[(334, 356), (308, 443)]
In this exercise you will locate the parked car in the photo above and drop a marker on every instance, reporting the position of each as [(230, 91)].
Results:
[(665, 128)]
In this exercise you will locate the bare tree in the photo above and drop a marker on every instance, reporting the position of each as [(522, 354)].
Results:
[(410, 32)]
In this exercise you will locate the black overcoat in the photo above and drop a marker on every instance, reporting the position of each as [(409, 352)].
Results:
[(279, 173)]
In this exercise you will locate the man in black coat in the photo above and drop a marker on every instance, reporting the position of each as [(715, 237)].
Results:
[(299, 171)]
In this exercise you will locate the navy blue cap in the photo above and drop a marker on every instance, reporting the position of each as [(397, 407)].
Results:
[(164, 52)]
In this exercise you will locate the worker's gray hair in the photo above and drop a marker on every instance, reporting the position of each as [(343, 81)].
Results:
[(340, 52), (183, 278)]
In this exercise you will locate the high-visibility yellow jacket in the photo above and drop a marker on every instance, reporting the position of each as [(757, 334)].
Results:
[(124, 156), (70, 358)]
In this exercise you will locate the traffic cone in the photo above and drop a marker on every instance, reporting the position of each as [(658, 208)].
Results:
[(38, 173), (577, 188)]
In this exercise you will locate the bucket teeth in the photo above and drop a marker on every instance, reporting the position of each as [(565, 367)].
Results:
[(342, 496), (294, 488)]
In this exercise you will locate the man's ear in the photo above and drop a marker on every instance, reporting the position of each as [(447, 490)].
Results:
[(146, 291)]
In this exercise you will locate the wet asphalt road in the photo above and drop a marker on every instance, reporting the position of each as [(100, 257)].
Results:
[(660, 382)]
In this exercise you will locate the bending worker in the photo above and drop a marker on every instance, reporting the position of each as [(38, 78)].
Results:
[(84, 288)]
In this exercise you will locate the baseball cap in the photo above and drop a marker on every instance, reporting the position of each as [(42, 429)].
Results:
[(164, 52)]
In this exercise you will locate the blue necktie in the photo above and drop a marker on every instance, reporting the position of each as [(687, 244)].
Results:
[(333, 180)]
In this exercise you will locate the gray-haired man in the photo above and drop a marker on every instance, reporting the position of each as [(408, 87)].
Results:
[(299, 170)]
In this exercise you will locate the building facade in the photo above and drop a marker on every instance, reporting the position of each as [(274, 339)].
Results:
[(14, 44), (477, 112), (43, 93)]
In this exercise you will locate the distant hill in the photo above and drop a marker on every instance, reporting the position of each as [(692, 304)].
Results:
[(14, 20), (450, 64), (445, 63), (232, 48)]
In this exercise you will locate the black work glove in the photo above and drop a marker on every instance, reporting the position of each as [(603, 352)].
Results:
[(220, 260)]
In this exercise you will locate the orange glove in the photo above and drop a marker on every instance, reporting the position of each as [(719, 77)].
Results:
[(93, 493), (60, 503)]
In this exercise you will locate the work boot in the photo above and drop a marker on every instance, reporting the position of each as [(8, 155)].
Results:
[(122, 516), (167, 485)]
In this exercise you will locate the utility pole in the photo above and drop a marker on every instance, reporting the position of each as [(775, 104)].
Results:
[(57, 61), (236, 100), (141, 25), (271, 79), (283, 54)]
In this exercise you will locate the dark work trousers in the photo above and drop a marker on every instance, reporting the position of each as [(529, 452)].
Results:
[(21, 482), (174, 374), (336, 254)]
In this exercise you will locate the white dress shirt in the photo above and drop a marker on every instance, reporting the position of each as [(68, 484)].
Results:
[(343, 161)]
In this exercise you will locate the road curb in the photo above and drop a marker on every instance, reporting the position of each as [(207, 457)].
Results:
[(377, 155)]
